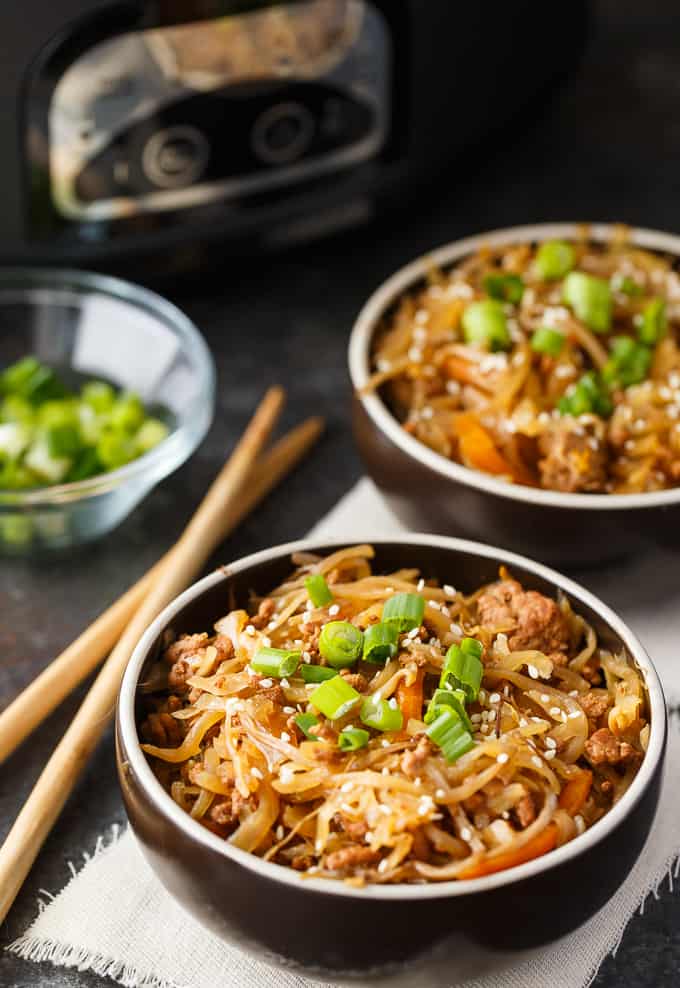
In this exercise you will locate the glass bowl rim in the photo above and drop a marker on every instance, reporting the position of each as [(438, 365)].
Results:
[(170, 448)]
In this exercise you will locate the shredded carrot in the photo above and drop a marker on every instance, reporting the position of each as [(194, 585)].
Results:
[(410, 698), (540, 844), (465, 371), (575, 793), (478, 450)]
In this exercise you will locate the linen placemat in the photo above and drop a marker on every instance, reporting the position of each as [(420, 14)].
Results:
[(115, 918)]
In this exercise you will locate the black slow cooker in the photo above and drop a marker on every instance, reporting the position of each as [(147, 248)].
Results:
[(161, 126)]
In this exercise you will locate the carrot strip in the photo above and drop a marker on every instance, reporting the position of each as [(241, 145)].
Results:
[(465, 372), (576, 791), (410, 698), (541, 844), (478, 450)]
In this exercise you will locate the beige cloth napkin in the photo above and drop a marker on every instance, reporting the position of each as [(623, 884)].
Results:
[(116, 919)]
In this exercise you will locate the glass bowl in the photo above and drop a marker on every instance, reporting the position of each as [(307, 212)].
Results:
[(95, 326)]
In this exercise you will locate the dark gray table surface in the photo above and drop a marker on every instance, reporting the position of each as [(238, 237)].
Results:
[(607, 147)]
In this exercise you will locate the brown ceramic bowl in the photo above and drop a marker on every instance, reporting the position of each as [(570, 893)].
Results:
[(429, 492), (410, 934)]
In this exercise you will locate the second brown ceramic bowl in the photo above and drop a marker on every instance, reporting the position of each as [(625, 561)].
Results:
[(431, 493)]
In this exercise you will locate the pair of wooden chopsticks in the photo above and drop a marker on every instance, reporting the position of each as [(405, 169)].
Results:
[(243, 481)]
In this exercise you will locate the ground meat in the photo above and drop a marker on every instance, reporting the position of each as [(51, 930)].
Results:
[(575, 456), (591, 670), (594, 704), (531, 619), (226, 812), (356, 829), (224, 646), (310, 631), (525, 811), (163, 730), (350, 857), (603, 747), (274, 693), (324, 733), (356, 680), (185, 646), (302, 862), (412, 762), (178, 675), (264, 613)]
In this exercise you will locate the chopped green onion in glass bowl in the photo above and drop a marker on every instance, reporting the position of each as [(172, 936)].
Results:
[(105, 389)]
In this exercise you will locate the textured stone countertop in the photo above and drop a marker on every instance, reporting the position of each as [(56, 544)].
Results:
[(607, 147)]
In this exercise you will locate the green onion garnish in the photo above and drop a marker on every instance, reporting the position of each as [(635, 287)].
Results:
[(654, 324), (340, 643), (441, 700), (381, 715), (628, 363), (626, 285), (504, 287), (589, 394), (463, 669), (449, 733), (334, 698), (554, 259), (484, 325), (316, 674), (590, 298), (304, 722), (352, 738), (275, 662), (318, 590), (381, 642), (404, 611), (548, 341), (63, 440)]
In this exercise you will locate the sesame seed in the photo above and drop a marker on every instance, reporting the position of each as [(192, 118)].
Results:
[(385, 744), (502, 758), (368, 836), (484, 728), (280, 832), (449, 590), (573, 692), (550, 753), (250, 629), (537, 761), (550, 743), (347, 787), (440, 793), (266, 641), (306, 658), (266, 683), (271, 625), (545, 698), (495, 698), (334, 609), (285, 736), (574, 714), (392, 703), (555, 711), (466, 834), (533, 671), (289, 710), (505, 815), (413, 633), (434, 605), (475, 718), (383, 866), (446, 612), (285, 684)]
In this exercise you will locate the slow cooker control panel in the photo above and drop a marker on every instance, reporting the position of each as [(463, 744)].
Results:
[(175, 117)]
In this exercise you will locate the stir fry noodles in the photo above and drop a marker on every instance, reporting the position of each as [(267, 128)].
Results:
[(387, 728), (554, 365)]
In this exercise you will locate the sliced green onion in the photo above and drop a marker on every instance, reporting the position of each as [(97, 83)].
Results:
[(654, 324), (127, 413), (87, 464), (334, 698), (150, 434), (381, 642), (628, 364), (472, 647), (554, 259), (304, 722), (626, 285), (316, 674), (462, 670), (590, 298), (353, 738), (115, 449), (340, 643), (404, 611), (589, 394), (276, 662), (381, 715), (63, 440), (548, 341), (318, 590), (504, 287), (448, 733), (98, 395), (441, 699), (484, 325)]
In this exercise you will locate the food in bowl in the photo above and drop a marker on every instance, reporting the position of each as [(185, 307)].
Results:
[(53, 434), (386, 728), (551, 364)]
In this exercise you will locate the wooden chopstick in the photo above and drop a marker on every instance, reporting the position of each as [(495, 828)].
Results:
[(30, 708), (201, 536)]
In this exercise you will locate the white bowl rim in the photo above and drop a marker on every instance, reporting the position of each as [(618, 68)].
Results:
[(166, 806), (169, 453), (403, 279)]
